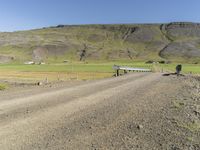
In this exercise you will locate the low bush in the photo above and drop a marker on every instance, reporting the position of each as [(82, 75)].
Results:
[(2, 87)]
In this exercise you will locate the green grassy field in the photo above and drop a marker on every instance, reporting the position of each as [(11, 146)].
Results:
[(94, 67), (81, 71), (72, 67), (186, 68)]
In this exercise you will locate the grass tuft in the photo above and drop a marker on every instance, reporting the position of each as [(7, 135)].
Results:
[(3, 87), (177, 104)]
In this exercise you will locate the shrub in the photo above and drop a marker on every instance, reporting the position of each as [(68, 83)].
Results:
[(2, 87)]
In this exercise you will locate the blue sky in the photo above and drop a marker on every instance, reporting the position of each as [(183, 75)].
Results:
[(30, 14)]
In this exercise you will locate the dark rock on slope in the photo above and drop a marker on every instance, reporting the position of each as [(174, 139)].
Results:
[(185, 50)]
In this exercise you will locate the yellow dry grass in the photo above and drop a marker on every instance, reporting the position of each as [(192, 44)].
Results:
[(51, 76)]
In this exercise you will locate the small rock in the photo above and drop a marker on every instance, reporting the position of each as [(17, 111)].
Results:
[(197, 112), (140, 127), (39, 83)]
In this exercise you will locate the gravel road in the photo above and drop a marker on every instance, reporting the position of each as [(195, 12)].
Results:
[(127, 112)]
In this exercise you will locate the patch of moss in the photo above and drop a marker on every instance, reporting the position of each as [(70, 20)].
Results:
[(177, 104), (192, 127), (3, 87)]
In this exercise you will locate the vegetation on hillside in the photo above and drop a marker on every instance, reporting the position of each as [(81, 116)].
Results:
[(174, 41)]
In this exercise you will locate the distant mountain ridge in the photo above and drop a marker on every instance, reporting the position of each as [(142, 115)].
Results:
[(178, 41)]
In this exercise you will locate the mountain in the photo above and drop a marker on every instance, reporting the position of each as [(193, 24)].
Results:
[(179, 41)]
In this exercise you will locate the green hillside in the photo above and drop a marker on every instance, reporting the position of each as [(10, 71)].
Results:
[(173, 42)]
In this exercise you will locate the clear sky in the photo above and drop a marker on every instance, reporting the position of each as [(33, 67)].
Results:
[(30, 14)]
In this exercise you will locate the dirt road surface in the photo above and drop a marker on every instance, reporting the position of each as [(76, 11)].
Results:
[(137, 111)]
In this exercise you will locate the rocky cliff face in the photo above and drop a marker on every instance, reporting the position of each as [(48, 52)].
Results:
[(185, 41), (183, 31), (173, 41)]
